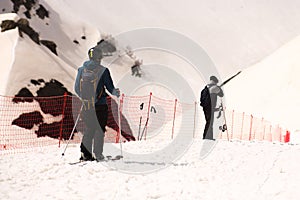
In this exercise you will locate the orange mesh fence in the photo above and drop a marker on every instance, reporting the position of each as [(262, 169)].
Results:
[(29, 122), (241, 126)]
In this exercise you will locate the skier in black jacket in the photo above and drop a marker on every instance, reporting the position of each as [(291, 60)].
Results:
[(91, 81), (208, 100)]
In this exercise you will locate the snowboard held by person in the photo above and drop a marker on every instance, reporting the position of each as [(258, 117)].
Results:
[(208, 101), (91, 84)]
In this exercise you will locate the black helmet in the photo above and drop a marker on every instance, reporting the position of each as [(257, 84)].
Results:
[(95, 54), (214, 79)]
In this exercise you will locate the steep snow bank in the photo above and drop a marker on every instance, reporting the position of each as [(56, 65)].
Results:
[(270, 88)]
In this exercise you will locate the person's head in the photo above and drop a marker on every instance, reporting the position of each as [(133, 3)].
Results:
[(95, 54), (214, 80)]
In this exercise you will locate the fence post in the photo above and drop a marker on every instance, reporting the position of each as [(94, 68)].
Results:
[(251, 122), (148, 114), (271, 135), (262, 125), (287, 137), (232, 122), (120, 119), (195, 115), (280, 134), (174, 116), (62, 118), (241, 137)]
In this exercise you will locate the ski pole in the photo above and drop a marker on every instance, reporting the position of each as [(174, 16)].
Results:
[(140, 127), (119, 120), (144, 129), (72, 133)]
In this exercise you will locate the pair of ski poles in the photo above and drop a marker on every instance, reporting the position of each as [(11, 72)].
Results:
[(75, 124), (140, 136)]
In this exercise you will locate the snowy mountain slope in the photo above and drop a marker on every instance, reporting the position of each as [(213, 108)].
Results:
[(235, 33), (72, 37), (46, 65), (8, 40), (236, 22), (65, 28), (271, 87)]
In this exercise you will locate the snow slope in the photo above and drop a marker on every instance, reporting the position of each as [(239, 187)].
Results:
[(234, 170), (235, 33), (8, 40), (240, 33), (270, 88), (61, 28)]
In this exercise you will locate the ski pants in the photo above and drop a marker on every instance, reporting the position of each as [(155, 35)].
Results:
[(209, 117), (95, 121)]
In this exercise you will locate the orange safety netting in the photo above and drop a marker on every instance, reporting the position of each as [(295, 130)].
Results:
[(29, 122)]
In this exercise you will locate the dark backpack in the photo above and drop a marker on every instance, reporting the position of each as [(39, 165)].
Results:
[(205, 97), (88, 85)]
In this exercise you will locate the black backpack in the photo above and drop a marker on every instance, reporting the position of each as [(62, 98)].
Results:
[(205, 97), (88, 85)]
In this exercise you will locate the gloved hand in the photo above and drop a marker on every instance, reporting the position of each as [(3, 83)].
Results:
[(117, 92)]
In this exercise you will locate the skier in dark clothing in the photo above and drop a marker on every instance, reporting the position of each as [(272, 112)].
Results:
[(91, 81), (208, 100)]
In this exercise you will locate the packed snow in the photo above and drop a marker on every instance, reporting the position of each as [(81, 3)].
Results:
[(233, 170)]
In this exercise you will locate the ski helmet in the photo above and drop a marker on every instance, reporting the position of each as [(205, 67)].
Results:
[(95, 54), (214, 79)]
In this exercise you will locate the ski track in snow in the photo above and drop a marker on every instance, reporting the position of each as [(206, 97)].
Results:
[(233, 170)]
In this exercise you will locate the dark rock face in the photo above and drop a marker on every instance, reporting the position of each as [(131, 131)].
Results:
[(8, 25), (23, 24), (29, 4), (27, 14), (50, 45), (53, 88), (51, 130), (24, 27), (55, 106), (41, 80), (17, 4), (24, 95), (35, 82), (28, 120), (42, 12), (52, 106)]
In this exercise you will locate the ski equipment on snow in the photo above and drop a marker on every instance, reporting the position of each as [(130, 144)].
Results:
[(72, 133), (106, 159)]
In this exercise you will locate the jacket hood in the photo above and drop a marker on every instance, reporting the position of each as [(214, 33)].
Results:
[(91, 64)]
